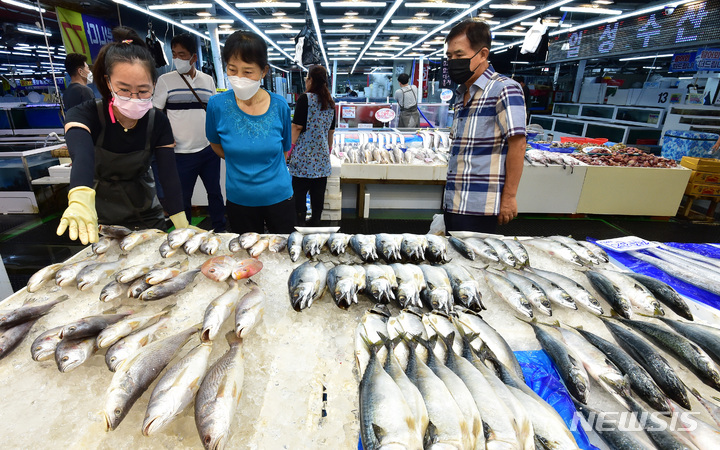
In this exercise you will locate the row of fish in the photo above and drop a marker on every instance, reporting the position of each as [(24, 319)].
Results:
[(390, 148), (547, 158), (446, 382), (636, 365)]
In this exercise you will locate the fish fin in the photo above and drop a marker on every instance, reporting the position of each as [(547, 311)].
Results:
[(168, 308), (448, 340), (717, 399), (379, 432), (251, 282), (184, 265)]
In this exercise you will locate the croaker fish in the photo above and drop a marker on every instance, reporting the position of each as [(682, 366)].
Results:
[(71, 353), (90, 326), (12, 336), (210, 244), (27, 312), (364, 246), (294, 245), (249, 310), (103, 245), (413, 247), (90, 275), (42, 276), (410, 282), (338, 243), (170, 287), (277, 243), (249, 239), (344, 282), (380, 281), (388, 245), (193, 244), (130, 344), (218, 311), (260, 246), (138, 287), (234, 244), (306, 284), (68, 273), (43, 347), (136, 238), (179, 236), (135, 375), (113, 231), (219, 395), (134, 272), (312, 244), (160, 274), (166, 251), (118, 330)]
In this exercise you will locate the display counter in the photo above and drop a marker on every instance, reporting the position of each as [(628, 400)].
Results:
[(18, 172), (31, 119)]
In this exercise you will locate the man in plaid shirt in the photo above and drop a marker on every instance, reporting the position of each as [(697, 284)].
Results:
[(488, 135)]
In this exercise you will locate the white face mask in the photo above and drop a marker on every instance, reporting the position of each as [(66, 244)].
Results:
[(244, 88), (182, 65), (89, 77)]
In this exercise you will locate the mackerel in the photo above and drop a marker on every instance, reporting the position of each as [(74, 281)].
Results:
[(577, 291), (685, 273), (665, 294)]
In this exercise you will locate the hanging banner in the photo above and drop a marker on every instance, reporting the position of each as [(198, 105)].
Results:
[(445, 81), (82, 33), (683, 62), (708, 59)]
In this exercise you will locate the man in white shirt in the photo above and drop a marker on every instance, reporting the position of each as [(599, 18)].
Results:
[(407, 97), (183, 94)]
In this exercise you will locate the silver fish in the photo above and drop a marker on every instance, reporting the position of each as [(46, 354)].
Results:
[(312, 244), (506, 290), (124, 327), (71, 353), (27, 312), (576, 290), (344, 282), (68, 273), (372, 327), (388, 245), (249, 310), (413, 247), (306, 284), (411, 281), (554, 293), (685, 273), (210, 245), (169, 287), (179, 236), (338, 243), (556, 249), (294, 245), (249, 239), (13, 335), (103, 245), (465, 289), (277, 243), (43, 275), (166, 251), (218, 311), (407, 323), (259, 247), (138, 287), (364, 246), (701, 434), (234, 244), (532, 291), (380, 281), (503, 251), (219, 395), (130, 344), (136, 374), (640, 297), (176, 389), (43, 347), (520, 253), (438, 292), (93, 273), (483, 250), (134, 272), (193, 244), (596, 250), (437, 249), (90, 326), (586, 256), (136, 238), (462, 248)]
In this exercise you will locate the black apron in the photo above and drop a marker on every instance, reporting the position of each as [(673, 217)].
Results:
[(124, 183)]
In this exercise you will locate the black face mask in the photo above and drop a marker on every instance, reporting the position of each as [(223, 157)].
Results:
[(459, 69)]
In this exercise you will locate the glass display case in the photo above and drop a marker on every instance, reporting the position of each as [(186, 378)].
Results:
[(650, 116), (31, 120), (433, 115), (566, 109), (597, 111), (361, 115), (18, 169), (572, 127)]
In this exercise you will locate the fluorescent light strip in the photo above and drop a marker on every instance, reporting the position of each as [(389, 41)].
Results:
[(345, 42), (578, 9), (189, 21), (379, 28), (519, 62), (416, 22), (438, 5), (532, 14), (279, 20), (340, 49), (635, 58), (547, 24), (456, 18), (511, 6), (507, 33), (160, 16), (639, 12), (268, 5), (283, 31), (349, 20), (252, 26), (348, 31), (505, 47), (277, 68), (34, 31), (408, 31), (316, 24), (353, 4), (652, 67), (181, 6), (23, 5), (291, 42)]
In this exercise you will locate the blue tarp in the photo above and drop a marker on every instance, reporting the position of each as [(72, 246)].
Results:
[(543, 378), (686, 289)]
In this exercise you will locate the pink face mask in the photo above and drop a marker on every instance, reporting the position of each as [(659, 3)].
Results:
[(134, 108)]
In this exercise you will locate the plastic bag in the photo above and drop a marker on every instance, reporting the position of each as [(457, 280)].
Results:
[(533, 37), (311, 53), (542, 377), (438, 225)]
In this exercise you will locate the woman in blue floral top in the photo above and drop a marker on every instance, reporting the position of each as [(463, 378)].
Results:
[(313, 126)]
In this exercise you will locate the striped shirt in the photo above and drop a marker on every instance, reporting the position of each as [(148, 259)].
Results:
[(480, 131), (186, 114)]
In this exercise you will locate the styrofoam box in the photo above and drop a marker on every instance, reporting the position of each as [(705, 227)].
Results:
[(331, 215), (333, 183), (410, 172), (440, 172), (332, 202), (365, 171), (63, 170)]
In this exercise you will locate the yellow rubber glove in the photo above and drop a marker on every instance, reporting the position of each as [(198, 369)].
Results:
[(80, 216), (180, 221)]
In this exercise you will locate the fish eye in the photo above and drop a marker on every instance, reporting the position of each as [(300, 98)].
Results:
[(113, 359), (71, 329), (65, 358), (118, 411)]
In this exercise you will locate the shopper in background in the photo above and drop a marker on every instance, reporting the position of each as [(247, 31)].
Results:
[(488, 135), (526, 96), (250, 128), (407, 97), (111, 142), (80, 75), (184, 94), (313, 126)]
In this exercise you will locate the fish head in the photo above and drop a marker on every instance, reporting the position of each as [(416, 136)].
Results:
[(68, 361), (113, 359), (218, 268), (115, 407), (248, 320), (301, 295), (214, 441), (149, 294), (380, 289), (580, 383), (155, 419), (43, 350), (246, 268), (86, 283)]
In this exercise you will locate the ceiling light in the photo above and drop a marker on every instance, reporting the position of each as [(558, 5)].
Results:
[(438, 5), (203, 14), (23, 5), (603, 2), (519, 62), (406, 31), (278, 14), (284, 25), (544, 22), (532, 14), (268, 4), (33, 31), (225, 25), (652, 67), (287, 42), (279, 20), (486, 15), (511, 6), (349, 20), (353, 4), (226, 31), (349, 31), (316, 25), (518, 28), (283, 31), (422, 14), (578, 9), (207, 21), (181, 6), (276, 58), (351, 13), (379, 28), (635, 58), (345, 41), (336, 49), (417, 21), (501, 51)]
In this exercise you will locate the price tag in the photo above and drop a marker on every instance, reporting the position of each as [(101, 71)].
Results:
[(446, 95), (385, 115), (626, 244)]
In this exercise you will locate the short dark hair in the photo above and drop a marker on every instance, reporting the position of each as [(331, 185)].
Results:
[(477, 32), (519, 79), (403, 78), (247, 46), (186, 41), (128, 47), (73, 62), (319, 86)]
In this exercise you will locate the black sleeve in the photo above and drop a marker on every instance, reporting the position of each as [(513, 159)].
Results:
[(162, 130), (169, 179), (82, 152), (301, 111)]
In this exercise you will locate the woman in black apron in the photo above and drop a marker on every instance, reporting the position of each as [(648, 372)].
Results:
[(112, 142)]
